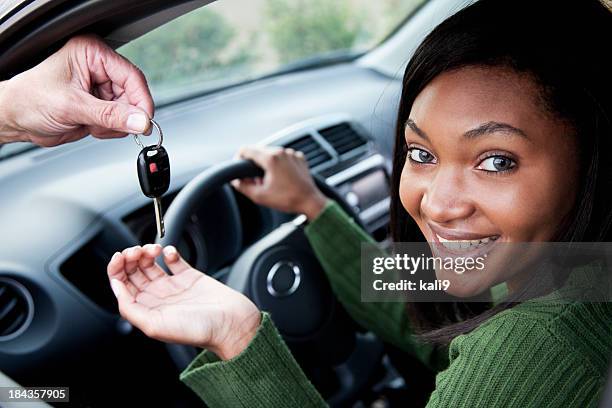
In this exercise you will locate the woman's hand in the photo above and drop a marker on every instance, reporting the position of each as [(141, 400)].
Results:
[(287, 184), (187, 307)]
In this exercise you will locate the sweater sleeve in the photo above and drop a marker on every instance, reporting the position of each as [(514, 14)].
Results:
[(336, 240), (510, 361), (513, 361), (265, 374)]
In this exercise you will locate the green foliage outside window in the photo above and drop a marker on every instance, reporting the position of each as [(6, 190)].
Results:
[(304, 28), (192, 46), (229, 41)]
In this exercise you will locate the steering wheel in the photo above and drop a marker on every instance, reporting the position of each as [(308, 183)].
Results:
[(279, 273)]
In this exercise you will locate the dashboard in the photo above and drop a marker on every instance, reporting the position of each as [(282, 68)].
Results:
[(66, 210)]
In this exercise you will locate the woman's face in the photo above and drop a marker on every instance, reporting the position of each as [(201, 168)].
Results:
[(486, 164)]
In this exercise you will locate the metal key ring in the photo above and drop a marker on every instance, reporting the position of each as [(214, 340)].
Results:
[(161, 136)]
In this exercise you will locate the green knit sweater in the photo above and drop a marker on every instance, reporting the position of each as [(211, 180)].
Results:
[(537, 354)]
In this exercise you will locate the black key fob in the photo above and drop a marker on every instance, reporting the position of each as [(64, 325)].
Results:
[(153, 171)]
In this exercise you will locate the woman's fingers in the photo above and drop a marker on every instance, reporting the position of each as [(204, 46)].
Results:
[(174, 261), (147, 262), (135, 275), (253, 153), (116, 267), (178, 266), (180, 280), (136, 268), (116, 270), (131, 310), (249, 181), (251, 188), (132, 256), (262, 156), (121, 293)]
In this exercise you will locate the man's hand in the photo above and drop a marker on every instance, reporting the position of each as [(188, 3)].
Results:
[(84, 88), (187, 307)]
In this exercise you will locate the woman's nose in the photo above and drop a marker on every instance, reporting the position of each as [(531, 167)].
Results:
[(447, 199)]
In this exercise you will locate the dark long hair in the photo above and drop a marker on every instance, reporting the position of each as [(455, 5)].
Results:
[(565, 47)]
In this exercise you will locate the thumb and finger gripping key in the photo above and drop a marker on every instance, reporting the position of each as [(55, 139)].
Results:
[(153, 167)]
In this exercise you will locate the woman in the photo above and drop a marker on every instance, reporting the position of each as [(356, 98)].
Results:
[(503, 126)]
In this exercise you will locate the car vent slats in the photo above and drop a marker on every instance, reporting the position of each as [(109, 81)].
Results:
[(317, 159), (305, 144), (314, 152), (14, 307), (343, 138), (14, 325), (7, 307), (347, 145)]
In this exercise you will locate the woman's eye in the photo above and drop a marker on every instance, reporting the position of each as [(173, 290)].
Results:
[(420, 155), (497, 164)]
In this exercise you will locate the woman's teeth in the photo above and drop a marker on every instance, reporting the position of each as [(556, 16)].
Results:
[(465, 244)]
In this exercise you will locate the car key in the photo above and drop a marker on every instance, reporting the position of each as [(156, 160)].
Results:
[(153, 167)]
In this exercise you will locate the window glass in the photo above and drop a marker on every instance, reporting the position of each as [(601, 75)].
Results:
[(230, 41)]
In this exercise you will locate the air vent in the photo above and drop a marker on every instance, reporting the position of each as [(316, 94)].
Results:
[(16, 308), (343, 138), (314, 152)]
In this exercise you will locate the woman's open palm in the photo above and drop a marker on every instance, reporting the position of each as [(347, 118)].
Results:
[(187, 307)]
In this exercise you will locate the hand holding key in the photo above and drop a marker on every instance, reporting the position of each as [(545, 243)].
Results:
[(84, 88), (187, 307), (154, 175)]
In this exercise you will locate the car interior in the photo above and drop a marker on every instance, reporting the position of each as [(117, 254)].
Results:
[(65, 210)]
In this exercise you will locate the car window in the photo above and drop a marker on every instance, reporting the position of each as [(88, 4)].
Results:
[(232, 41)]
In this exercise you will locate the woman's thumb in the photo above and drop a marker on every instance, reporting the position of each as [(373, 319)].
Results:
[(249, 187), (111, 115)]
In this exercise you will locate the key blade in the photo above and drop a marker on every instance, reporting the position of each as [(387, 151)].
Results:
[(159, 217)]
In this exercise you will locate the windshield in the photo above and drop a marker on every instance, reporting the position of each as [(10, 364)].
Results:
[(233, 41)]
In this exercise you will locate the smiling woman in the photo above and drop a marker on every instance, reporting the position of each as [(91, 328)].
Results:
[(503, 140), (500, 139)]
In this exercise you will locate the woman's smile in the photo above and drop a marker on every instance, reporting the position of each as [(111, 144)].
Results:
[(447, 242)]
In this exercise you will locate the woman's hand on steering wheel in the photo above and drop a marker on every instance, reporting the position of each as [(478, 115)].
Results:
[(286, 185), (187, 307)]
